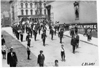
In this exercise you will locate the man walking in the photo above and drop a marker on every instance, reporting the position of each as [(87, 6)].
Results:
[(89, 35), (17, 34), (43, 36), (73, 43), (27, 37), (28, 52), (55, 28), (29, 42), (77, 40), (72, 33), (76, 29), (21, 36), (41, 59), (12, 58), (60, 34), (51, 32), (39, 29), (35, 34)]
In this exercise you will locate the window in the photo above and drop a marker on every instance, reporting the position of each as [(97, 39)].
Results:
[(45, 11), (26, 4), (40, 4), (21, 5), (31, 12), (26, 12), (31, 5), (35, 12), (22, 12), (38, 11)]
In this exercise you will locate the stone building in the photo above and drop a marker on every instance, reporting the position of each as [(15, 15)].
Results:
[(27, 9)]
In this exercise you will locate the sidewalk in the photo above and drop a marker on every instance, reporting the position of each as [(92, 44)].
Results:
[(94, 40), (20, 50), (4, 63)]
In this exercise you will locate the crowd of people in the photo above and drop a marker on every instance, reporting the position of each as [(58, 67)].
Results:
[(32, 29)]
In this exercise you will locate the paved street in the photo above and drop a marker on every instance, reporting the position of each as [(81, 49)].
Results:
[(86, 53)]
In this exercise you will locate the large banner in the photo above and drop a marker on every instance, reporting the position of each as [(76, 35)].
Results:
[(92, 26), (86, 25)]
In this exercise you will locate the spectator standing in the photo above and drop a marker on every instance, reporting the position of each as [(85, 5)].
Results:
[(41, 59), (12, 58)]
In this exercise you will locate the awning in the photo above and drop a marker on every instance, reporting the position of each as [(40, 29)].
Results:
[(33, 16)]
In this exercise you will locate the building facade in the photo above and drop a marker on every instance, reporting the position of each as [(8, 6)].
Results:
[(64, 11), (27, 9), (5, 14)]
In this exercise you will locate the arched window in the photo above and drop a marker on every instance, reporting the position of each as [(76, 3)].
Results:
[(36, 12), (21, 5), (22, 12), (31, 12), (26, 12), (26, 4), (31, 5)]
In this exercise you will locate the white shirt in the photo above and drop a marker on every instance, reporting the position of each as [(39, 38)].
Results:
[(4, 47), (62, 49)]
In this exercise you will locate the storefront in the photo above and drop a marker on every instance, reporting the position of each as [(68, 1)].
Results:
[(33, 18)]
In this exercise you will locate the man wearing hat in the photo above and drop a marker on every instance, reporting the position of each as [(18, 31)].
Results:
[(60, 35), (41, 59), (12, 58), (28, 52), (73, 43), (51, 32), (43, 36)]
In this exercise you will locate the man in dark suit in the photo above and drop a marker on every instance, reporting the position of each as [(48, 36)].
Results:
[(28, 53), (39, 29), (72, 33), (55, 31), (76, 29), (17, 34), (60, 34), (51, 32), (27, 37), (43, 36), (12, 58), (21, 36), (77, 40), (41, 59), (73, 43), (29, 42), (35, 34), (85, 31), (2, 40), (89, 34)]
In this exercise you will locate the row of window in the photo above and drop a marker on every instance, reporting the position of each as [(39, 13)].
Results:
[(38, 5), (37, 12)]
